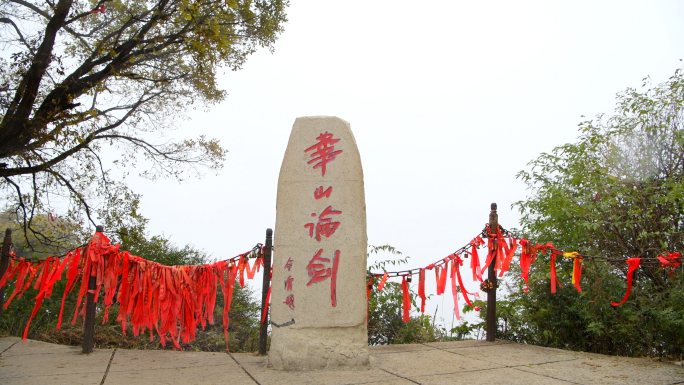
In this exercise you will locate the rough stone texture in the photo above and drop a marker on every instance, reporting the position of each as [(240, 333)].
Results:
[(309, 332)]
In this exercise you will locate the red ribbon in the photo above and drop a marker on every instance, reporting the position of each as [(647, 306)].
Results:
[(454, 291), (525, 261), (510, 251), (407, 298), (369, 289), (475, 259), (72, 271), (441, 277), (268, 299), (421, 289), (669, 261), (577, 273), (97, 10), (490, 250), (633, 264), (554, 278), (383, 280), (173, 300), (459, 262)]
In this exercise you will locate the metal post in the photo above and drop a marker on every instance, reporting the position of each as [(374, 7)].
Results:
[(89, 322), (4, 262), (264, 292), (491, 276)]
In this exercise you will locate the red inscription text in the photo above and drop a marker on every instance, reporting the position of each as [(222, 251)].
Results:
[(319, 272), (324, 151), (319, 193), (289, 301), (325, 225)]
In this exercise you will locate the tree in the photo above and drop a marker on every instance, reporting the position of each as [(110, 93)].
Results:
[(618, 192), (385, 321), (83, 74)]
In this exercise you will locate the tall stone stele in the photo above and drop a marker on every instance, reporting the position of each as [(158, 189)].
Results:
[(318, 298)]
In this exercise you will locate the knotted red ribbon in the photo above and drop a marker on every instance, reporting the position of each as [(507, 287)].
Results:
[(459, 262), (421, 289), (454, 291), (406, 297), (475, 259), (441, 276), (670, 261), (501, 250), (633, 264), (383, 280), (577, 273), (525, 261), (510, 251), (543, 249), (554, 277)]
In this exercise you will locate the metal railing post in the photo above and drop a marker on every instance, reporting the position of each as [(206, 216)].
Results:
[(4, 262), (491, 276), (89, 321), (263, 333)]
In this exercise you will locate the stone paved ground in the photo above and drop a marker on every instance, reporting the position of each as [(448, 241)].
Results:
[(464, 362)]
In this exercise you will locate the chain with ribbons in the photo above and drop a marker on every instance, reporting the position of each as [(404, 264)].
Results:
[(502, 247), (171, 300)]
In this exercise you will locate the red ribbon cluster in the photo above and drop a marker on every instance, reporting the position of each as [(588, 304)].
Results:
[(501, 250), (173, 300), (441, 274)]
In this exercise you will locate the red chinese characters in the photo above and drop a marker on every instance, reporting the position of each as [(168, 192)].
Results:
[(325, 225), (289, 301), (319, 193), (321, 269), (323, 151)]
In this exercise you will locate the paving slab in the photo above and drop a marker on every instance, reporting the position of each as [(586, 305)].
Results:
[(30, 347), (6, 342), (174, 367), (429, 362), (129, 360), (464, 344), (398, 348), (488, 377), (73, 378), (39, 361), (515, 354), (610, 371), (217, 374)]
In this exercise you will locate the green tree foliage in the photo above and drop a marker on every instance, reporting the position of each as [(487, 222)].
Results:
[(385, 321), (617, 192), (73, 81)]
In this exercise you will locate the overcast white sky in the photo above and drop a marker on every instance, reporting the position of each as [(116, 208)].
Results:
[(448, 100)]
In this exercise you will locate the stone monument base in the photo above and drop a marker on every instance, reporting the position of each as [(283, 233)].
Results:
[(319, 348)]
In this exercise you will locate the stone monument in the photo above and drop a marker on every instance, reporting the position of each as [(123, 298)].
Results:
[(318, 298)]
